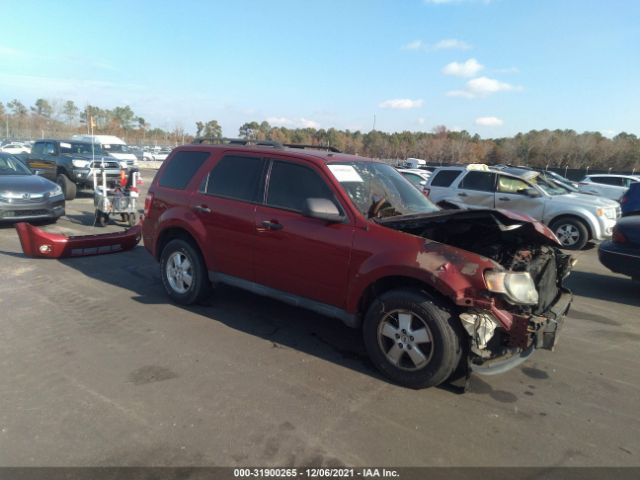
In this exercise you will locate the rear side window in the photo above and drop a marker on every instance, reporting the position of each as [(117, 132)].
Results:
[(290, 185), (236, 177), (38, 148), (482, 181), (181, 169), (444, 178), (616, 181)]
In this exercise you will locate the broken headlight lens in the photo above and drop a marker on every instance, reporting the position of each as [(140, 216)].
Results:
[(517, 286)]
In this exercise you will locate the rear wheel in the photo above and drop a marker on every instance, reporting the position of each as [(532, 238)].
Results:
[(183, 272), (571, 232), (412, 338), (67, 186)]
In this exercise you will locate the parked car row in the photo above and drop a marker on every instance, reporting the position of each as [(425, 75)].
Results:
[(573, 217)]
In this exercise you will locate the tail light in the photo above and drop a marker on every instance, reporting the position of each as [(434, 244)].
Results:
[(147, 204), (426, 192), (623, 199), (617, 236)]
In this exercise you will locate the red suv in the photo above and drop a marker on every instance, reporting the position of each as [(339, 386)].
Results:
[(438, 294)]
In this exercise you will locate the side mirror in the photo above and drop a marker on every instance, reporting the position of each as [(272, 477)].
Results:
[(322, 209)]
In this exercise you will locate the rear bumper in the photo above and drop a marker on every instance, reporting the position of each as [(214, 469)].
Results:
[(620, 259)]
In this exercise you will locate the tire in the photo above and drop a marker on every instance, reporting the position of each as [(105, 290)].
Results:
[(102, 219), (68, 187), (174, 280), (571, 232), (430, 320)]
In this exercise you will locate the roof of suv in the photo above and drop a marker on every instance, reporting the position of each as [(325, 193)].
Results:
[(308, 153)]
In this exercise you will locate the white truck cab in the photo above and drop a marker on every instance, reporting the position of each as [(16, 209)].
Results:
[(114, 146)]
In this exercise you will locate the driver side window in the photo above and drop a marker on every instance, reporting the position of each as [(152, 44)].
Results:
[(290, 185), (511, 185)]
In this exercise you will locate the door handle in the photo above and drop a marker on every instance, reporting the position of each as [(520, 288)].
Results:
[(504, 199), (462, 194), (202, 209), (272, 225)]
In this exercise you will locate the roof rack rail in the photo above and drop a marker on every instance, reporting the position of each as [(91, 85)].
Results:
[(315, 147), (236, 141)]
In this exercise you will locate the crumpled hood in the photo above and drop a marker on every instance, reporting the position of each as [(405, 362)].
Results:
[(502, 220)]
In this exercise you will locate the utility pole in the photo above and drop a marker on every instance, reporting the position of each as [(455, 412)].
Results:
[(374, 122)]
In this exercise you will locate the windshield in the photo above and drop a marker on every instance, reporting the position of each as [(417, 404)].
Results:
[(81, 148), (10, 165), (115, 148), (378, 190), (549, 186)]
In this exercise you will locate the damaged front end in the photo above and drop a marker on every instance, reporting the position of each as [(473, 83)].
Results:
[(522, 302)]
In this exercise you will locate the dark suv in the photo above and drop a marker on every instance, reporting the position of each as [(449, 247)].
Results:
[(71, 164), (438, 294)]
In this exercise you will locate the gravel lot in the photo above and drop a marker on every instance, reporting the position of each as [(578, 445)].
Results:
[(99, 369)]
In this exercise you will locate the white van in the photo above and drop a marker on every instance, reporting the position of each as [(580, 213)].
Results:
[(414, 163), (114, 146)]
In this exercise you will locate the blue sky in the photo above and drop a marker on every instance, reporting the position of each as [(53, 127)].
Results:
[(493, 67)]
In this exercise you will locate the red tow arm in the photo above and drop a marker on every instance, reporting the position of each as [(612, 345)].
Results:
[(38, 243)]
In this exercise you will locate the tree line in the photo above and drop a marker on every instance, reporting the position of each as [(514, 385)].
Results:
[(538, 148)]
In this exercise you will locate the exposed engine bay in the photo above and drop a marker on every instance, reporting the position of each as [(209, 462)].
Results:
[(518, 245)]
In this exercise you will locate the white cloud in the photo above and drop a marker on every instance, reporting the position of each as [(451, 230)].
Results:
[(279, 121), (415, 45), (445, 44), (293, 123), (489, 121), (10, 52), (306, 123), (451, 44), (482, 87), (401, 104), (467, 69)]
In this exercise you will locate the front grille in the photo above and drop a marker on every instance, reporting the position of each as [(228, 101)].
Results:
[(107, 165)]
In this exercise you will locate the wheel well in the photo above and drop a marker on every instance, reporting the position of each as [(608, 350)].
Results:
[(385, 284), (577, 218), (170, 234)]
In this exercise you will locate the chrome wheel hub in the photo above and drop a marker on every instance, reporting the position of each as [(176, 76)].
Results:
[(405, 340), (567, 234), (179, 272)]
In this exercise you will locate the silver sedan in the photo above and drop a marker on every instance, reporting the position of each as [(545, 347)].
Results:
[(25, 196)]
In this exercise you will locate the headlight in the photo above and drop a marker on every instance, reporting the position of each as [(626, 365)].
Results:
[(610, 213), (518, 286), (56, 191), (81, 163)]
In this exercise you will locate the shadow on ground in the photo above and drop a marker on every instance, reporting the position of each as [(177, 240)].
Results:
[(605, 287)]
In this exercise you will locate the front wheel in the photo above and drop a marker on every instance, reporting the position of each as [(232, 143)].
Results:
[(183, 272), (571, 232), (68, 187), (412, 338)]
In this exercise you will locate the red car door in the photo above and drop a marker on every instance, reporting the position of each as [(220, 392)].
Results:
[(304, 256), (226, 206)]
